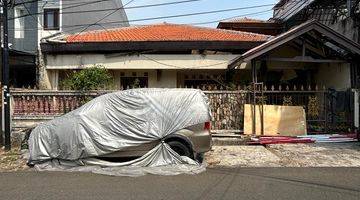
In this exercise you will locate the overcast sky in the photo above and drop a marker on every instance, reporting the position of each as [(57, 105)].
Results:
[(199, 6)]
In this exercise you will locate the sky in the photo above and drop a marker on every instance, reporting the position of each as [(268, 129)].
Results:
[(194, 7)]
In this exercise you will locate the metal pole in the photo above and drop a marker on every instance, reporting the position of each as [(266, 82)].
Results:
[(262, 108), (1, 115), (5, 77), (1, 104), (254, 77), (349, 7)]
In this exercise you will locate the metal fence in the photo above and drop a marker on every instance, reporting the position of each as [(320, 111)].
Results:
[(313, 100), (227, 106)]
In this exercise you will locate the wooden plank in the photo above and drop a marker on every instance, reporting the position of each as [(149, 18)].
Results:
[(278, 120)]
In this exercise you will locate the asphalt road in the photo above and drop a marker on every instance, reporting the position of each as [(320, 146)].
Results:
[(241, 183)]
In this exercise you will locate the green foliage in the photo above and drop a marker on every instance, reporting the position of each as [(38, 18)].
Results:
[(136, 84), (93, 78)]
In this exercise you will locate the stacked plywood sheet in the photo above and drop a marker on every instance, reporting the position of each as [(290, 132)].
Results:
[(277, 120)]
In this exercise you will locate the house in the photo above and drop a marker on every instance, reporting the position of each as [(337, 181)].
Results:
[(308, 54), (29, 21), (340, 15), (268, 27), (305, 61), (312, 61), (159, 55)]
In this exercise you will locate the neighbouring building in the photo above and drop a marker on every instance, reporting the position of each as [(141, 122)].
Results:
[(340, 15), (268, 27), (160, 55), (30, 21), (308, 54), (311, 65), (312, 60)]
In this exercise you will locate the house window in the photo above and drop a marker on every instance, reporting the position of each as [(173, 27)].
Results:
[(51, 19), (134, 82), (201, 80), (19, 22)]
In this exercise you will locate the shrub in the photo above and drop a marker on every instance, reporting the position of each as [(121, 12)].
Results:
[(93, 78)]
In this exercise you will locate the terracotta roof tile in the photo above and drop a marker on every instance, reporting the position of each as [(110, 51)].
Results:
[(245, 20), (164, 32)]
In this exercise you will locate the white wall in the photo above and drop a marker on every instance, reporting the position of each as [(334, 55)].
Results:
[(168, 79), (120, 61), (334, 75), (162, 79), (162, 69), (156, 78), (47, 4)]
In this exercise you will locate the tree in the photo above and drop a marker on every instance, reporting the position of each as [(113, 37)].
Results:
[(93, 78)]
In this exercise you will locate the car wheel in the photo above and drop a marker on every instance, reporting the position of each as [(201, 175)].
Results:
[(200, 157), (180, 148)]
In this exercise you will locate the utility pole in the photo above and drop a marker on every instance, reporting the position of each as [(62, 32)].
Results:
[(5, 76), (1, 103)]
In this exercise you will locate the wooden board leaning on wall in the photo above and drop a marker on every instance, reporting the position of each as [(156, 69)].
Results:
[(278, 120)]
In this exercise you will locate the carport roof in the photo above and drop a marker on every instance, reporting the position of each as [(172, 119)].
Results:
[(330, 35)]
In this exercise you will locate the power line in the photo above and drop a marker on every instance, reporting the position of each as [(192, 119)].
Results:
[(177, 16), (136, 7), (75, 4), (172, 16), (244, 15), (63, 8), (180, 67), (86, 3), (187, 68), (104, 17), (184, 15), (25, 2), (80, 3), (111, 9), (27, 9)]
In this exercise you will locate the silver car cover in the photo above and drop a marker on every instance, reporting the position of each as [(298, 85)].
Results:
[(114, 121)]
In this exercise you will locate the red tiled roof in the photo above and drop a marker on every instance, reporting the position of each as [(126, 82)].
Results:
[(245, 20), (164, 32)]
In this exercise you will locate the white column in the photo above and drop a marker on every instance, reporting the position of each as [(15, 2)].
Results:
[(54, 79)]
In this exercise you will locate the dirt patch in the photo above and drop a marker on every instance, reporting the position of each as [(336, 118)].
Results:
[(12, 160), (243, 156), (317, 155)]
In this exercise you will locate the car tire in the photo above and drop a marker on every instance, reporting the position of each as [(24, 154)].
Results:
[(181, 149), (200, 157)]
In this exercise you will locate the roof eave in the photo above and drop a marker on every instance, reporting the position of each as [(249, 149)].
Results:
[(57, 47)]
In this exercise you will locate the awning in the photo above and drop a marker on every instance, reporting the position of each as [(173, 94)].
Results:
[(313, 29)]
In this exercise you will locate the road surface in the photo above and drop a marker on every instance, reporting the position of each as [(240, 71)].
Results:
[(240, 183)]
